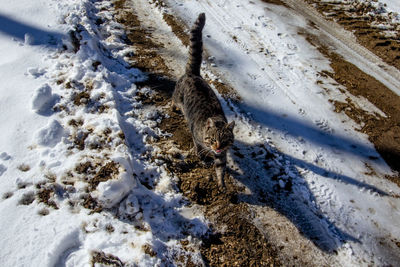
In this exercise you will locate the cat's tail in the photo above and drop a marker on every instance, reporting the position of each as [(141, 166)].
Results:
[(196, 46)]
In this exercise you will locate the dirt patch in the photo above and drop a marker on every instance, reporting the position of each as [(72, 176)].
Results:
[(355, 16), (75, 123), (178, 28), (241, 244), (235, 241), (24, 167), (225, 90), (81, 98), (45, 195), (146, 56), (85, 168), (105, 259), (91, 203), (275, 2), (79, 139), (106, 172), (149, 250)]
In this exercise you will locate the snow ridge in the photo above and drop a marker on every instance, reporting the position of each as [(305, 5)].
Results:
[(93, 154)]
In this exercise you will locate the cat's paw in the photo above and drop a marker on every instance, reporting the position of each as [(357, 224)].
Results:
[(174, 108)]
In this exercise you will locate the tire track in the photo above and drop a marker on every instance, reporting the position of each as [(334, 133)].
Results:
[(348, 46)]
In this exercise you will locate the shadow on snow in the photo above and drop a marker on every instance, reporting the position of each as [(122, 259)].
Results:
[(31, 34)]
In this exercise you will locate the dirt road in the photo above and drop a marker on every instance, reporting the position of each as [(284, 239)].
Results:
[(274, 221)]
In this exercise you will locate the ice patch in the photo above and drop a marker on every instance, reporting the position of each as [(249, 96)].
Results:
[(43, 99), (51, 134)]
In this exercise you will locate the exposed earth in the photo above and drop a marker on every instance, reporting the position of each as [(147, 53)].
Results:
[(237, 240), (98, 169)]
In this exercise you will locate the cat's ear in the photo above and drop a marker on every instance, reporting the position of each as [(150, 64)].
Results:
[(230, 125), (210, 123)]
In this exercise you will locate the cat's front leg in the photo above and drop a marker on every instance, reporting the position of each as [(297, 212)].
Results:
[(220, 168)]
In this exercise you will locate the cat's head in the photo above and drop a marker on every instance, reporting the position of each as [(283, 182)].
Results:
[(218, 135)]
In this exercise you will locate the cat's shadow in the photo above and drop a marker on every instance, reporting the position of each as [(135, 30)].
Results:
[(259, 169)]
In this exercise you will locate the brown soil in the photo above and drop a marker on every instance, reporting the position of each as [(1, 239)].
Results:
[(234, 241), (178, 28), (106, 172), (105, 259), (275, 2), (81, 98), (91, 203), (44, 195), (354, 17)]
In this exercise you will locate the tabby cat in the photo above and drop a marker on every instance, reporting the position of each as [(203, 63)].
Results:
[(212, 134)]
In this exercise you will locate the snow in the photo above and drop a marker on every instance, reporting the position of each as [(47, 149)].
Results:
[(276, 73), (389, 6), (43, 99), (62, 110), (64, 106)]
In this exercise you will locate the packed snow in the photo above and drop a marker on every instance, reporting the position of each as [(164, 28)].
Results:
[(76, 145)]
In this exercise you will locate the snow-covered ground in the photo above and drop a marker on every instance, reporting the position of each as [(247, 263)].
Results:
[(277, 75), (75, 146), (69, 117)]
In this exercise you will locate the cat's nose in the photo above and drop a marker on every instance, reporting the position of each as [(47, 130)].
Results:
[(217, 145)]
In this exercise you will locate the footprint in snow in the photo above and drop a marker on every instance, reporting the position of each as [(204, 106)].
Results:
[(292, 47), (4, 156), (35, 72), (51, 134), (302, 111), (324, 126), (3, 169)]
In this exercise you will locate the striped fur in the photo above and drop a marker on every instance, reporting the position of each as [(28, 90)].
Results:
[(196, 46), (212, 134)]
